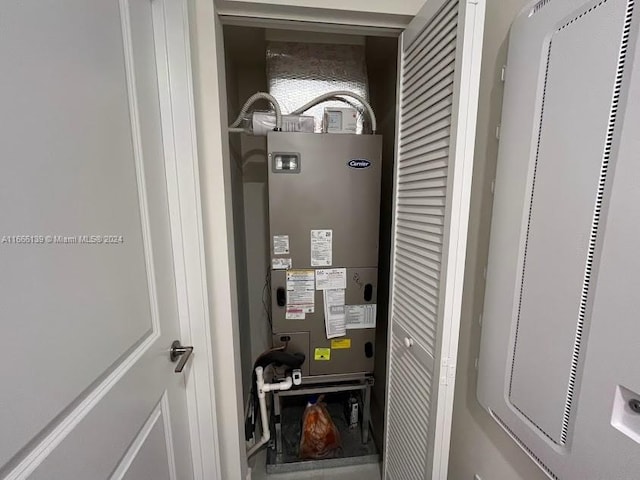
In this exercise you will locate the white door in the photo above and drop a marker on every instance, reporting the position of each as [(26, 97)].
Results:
[(87, 285), (438, 94)]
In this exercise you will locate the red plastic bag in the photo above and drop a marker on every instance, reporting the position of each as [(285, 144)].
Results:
[(320, 438)]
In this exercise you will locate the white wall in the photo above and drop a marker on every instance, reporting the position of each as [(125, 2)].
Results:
[(402, 7), (478, 444), (209, 92)]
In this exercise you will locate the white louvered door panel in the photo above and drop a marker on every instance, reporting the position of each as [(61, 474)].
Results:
[(409, 408), (440, 60)]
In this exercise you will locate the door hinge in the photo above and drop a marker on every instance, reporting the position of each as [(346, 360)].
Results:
[(447, 372), (503, 73), (498, 132)]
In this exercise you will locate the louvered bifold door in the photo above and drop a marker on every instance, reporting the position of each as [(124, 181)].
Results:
[(438, 94)]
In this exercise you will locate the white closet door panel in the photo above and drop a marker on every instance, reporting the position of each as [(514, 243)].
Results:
[(423, 115), (409, 408), (430, 117), (90, 307), (418, 261), (434, 62), (436, 124), (437, 17)]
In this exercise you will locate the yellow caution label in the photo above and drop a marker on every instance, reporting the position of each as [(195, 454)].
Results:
[(322, 354), (339, 343)]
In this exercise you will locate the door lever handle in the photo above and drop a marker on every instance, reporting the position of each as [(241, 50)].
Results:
[(183, 353)]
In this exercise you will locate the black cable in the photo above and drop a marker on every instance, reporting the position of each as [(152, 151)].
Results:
[(266, 304)]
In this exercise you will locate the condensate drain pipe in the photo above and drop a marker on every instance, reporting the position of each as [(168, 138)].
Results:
[(263, 389)]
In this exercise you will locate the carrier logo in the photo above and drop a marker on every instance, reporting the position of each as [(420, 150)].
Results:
[(359, 163)]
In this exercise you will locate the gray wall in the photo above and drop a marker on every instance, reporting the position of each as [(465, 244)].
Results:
[(235, 160), (252, 78), (246, 75), (478, 444), (382, 59)]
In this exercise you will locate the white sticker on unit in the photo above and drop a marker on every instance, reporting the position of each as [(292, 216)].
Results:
[(321, 248), (280, 244), (280, 263), (327, 278), (301, 291), (334, 312), (360, 316)]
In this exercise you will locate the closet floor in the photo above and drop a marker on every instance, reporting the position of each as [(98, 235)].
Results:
[(370, 471)]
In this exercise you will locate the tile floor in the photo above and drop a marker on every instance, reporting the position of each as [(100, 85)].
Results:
[(356, 472)]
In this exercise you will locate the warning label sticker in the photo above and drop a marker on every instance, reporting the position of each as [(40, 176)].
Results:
[(322, 354), (294, 313), (321, 248), (300, 292), (341, 343)]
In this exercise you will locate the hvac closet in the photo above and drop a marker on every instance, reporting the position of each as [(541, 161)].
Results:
[(423, 85)]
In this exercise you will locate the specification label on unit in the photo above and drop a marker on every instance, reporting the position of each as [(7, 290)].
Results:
[(300, 294), (360, 316), (327, 278), (280, 244), (321, 248)]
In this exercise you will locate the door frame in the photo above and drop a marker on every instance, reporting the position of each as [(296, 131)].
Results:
[(468, 79), (175, 86), (209, 77), (215, 213)]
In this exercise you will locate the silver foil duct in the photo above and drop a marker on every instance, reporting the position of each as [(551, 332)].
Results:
[(299, 72)]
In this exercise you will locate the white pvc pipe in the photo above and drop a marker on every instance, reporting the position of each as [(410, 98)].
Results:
[(341, 93), (286, 385), (252, 99), (263, 388), (264, 416)]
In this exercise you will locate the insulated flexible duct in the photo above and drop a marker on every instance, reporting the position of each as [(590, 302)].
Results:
[(234, 127)]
